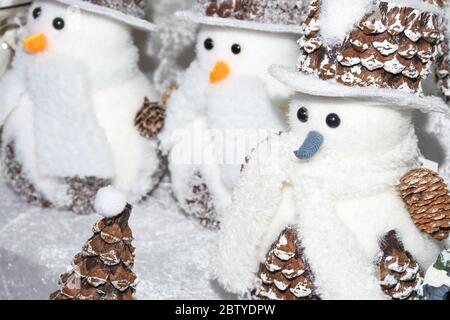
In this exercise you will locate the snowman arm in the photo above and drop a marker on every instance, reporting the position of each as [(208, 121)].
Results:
[(256, 201), (11, 90), (185, 106)]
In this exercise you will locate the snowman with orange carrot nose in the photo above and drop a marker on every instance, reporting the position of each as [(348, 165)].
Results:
[(68, 105), (227, 101)]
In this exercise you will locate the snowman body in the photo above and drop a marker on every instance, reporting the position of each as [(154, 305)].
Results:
[(227, 103), (70, 108), (342, 200)]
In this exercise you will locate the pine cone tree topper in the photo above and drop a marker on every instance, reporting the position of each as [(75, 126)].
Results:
[(428, 201), (103, 269)]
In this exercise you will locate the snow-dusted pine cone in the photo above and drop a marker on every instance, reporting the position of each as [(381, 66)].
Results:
[(285, 274), (103, 269), (200, 204), (428, 201), (150, 119), (400, 275)]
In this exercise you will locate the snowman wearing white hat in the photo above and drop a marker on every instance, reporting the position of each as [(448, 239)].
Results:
[(227, 94), (358, 216), (69, 103)]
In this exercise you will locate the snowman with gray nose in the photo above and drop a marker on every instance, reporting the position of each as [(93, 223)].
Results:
[(340, 186)]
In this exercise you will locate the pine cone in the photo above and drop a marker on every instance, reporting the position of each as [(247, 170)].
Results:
[(400, 275), (200, 204), (428, 201), (150, 119), (103, 269), (285, 274)]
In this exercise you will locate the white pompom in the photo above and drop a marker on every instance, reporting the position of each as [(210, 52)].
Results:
[(110, 202)]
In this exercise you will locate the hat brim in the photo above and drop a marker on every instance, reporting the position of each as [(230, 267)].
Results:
[(235, 23), (110, 13), (11, 5), (312, 85)]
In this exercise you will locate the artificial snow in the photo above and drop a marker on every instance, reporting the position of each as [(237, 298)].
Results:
[(37, 245), (110, 202), (338, 18)]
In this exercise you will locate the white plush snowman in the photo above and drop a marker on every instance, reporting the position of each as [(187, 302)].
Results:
[(336, 177), (227, 100), (69, 103)]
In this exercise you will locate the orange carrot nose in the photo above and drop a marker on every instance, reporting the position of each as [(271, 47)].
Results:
[(35, 43), (220, 71)]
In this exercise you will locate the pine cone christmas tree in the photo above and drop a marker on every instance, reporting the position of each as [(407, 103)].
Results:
[(150, 118), (285, 274), (400, 275), (103, 269), (428, 201), (200, 204)]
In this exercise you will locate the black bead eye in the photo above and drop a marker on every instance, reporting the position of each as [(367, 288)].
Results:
[(236, 48), (333, 120), (209, 44), (37, 12), (302, 114), (58, 23)]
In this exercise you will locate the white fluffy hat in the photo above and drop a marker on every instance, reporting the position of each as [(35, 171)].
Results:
[(382, 50), (284, 16), (131, 12)]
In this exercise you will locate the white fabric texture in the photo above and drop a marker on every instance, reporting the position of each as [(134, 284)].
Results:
[(64, 122)]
